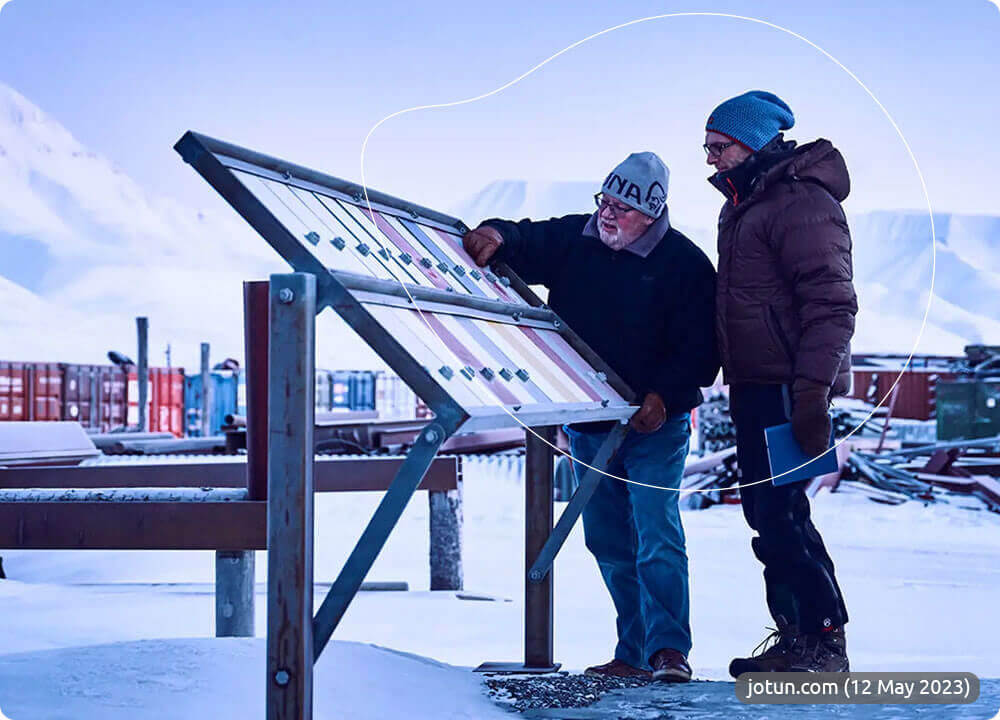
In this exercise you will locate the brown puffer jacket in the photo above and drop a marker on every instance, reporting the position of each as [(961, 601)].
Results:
[(785, 297)]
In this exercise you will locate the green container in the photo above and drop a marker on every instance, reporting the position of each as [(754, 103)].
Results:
[(968, 409)]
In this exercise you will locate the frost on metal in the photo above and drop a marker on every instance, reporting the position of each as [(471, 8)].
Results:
[(124, 495)]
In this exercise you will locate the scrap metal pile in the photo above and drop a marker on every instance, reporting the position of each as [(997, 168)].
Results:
[(964, 472), (961, 472)]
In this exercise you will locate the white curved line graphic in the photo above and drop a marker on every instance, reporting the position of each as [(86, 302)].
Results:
[(546, 61)]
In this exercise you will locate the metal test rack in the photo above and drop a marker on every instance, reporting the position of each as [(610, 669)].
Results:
[(507, 355)]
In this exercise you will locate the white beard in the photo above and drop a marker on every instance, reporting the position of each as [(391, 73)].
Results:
[(615, 241)]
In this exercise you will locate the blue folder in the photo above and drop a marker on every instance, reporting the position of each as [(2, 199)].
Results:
[(784, 453)]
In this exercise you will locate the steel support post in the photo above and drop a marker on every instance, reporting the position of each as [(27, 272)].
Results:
[(206, 392), (538, 515), (348, 582), (255, 339), (539, 473), (142, 371), (234, 593), (543, 563), (291, 405)]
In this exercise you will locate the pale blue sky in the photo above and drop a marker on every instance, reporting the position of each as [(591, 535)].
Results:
[(305, 80)]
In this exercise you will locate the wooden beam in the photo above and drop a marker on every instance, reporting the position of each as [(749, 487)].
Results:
[(133, 525)]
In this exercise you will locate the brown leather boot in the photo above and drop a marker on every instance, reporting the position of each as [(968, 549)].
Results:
[(825, 651), (618, 668), (773, 658), (670, 665)]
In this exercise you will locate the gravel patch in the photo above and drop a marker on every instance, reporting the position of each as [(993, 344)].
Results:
[(557, 690)]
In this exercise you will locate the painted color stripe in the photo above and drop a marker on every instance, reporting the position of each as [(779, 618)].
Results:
[(288, 198), (319, 211), (505, 361), (536, 363), (554, 356), (456, 242), (415, 321), (357, 230), (582, 366), (468, 283), (400, 242), (467, 356), (435, 252), (465, 332), (394, 321), (286, 217)]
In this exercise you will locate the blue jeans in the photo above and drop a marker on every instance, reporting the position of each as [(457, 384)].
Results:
[(635, 533)]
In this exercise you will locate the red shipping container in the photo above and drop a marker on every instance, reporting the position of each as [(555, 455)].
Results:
[(80, 384), (46, 409), (18, 374), (4, 392), (165, 407), (47, 380), (111, 403), (916, 397)]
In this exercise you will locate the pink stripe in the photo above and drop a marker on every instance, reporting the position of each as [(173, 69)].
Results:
[(467, 357), (390, 232), (554, 356), (456, 244)]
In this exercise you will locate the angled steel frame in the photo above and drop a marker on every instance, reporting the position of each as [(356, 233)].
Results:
[(294, 634), (217, 161)]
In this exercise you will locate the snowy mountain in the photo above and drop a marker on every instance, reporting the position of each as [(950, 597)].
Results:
[(892, 261), (84, 249), (77, 233)]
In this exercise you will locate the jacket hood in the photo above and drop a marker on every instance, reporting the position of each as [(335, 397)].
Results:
[(820, 162)]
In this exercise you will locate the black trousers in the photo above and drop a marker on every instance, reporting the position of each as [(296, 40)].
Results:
[(798, 573)]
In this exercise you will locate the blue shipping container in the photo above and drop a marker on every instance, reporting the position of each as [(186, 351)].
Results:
[(225, 390), (363, 390)]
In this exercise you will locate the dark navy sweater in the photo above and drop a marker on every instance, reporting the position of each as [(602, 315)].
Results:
[(650, 318)]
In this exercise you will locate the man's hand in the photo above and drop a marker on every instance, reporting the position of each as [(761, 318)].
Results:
[(811, 424), (482, 243), (650, 416)]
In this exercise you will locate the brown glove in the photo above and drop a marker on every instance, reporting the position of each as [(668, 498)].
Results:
[(650, 416), (482, 243), (810, 416)]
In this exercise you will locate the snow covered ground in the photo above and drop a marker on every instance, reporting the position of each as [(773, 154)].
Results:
[(77, 640)]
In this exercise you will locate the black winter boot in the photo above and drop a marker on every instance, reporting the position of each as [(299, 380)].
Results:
[(773, 658), (825, 651)]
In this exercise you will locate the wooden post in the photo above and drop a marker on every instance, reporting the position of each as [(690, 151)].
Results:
[(538, 516), (234, 593), (291, 406), (446, 538)]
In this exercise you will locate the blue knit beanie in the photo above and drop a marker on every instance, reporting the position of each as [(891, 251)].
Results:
[(752, 119)]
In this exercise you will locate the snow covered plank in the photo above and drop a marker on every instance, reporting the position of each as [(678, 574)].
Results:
[(344, 474), (123, 495)]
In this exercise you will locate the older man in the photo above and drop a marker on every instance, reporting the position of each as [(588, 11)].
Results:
[(785, 307), (642, 296)]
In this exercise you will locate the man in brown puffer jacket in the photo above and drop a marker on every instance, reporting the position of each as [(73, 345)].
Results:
[(784, 319)]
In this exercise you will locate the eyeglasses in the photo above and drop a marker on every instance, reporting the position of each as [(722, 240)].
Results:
[(716, 148), (617, 209)]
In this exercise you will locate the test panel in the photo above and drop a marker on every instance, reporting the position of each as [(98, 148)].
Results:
[(480, 338)]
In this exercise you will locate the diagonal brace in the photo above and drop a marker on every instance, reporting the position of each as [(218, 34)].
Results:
[(370, 544), (547, 555)]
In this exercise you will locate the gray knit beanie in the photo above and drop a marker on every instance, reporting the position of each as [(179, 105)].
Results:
[(640, 182)]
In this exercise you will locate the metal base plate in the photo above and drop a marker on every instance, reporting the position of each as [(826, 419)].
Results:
[(518, 668)]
